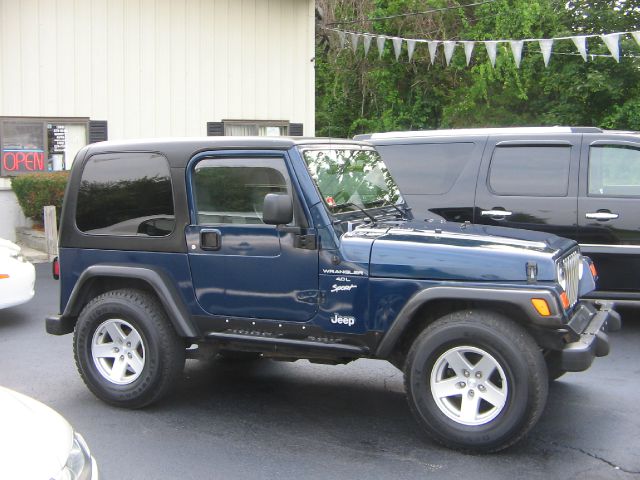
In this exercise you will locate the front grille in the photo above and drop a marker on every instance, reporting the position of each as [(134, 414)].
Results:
[(571, 267)]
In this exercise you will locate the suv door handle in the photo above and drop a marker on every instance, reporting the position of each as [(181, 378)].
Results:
[(602, 215), (210, 239), (496, 213)]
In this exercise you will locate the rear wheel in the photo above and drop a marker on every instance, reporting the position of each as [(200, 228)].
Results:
[(476, 381), (126, 350)]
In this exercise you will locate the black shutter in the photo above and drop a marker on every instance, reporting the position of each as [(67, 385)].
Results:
[(215, 129), (296, 129), (98, 131)]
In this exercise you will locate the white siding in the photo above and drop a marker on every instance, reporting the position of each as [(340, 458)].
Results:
[(158, 67)]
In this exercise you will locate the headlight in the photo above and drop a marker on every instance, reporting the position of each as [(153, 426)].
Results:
[(562, 276), (78, 466)]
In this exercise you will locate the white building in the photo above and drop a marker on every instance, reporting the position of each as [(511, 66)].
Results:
[(74, 72)]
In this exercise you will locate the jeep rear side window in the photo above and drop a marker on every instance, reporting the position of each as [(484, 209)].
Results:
[(532, 171), (430, 168), (233, 190), (614, 171), (126, 194)]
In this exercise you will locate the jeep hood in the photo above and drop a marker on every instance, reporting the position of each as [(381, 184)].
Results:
[(457, 252)]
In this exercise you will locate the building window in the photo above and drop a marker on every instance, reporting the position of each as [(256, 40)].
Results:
[(40, 144), (261, 128)]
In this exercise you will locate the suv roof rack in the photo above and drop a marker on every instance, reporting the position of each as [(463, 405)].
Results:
[(477, 131)]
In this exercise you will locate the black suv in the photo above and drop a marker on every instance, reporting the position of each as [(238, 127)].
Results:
[(577, 182), (292, 249)]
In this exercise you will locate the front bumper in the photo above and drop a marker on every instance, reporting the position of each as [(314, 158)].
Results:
[(590, 324)]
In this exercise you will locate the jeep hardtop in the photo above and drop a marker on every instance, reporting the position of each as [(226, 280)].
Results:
[(305, 249)]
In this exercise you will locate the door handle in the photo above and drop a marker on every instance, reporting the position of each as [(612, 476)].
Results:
[(601, 215), (496, 213), (210, 239)]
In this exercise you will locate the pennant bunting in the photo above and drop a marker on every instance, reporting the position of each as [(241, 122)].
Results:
[(611, 41), (397, 46), (516, 49), (354, 37), (449, 46), (411, 47), (433, 49), (468, 50), (546, 45), (366, 42), (491, 46), (581, 45), (343, 37), (380, 42)]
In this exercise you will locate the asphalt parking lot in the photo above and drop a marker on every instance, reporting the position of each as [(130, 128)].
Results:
[(297, 420)]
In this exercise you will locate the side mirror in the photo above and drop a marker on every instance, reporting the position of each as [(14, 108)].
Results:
[(277, 209)]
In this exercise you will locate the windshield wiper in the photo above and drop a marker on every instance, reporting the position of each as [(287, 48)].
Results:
[(349, 204)]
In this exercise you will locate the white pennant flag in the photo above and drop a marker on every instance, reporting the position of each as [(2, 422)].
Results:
[(433, 49), (380, 42), (516, 49), (636, 37), (611, 41), (367, 44), (581, 45), (411, 47), (354, 41), (491, 51), (397, 46), (546, 44), (342, 37), (468, 50), (449, 47)]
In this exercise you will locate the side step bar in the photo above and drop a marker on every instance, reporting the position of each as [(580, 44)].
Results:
[(278, 344)]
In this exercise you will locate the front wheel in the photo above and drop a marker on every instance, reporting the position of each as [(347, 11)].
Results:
[(126, 350), (476, 381)]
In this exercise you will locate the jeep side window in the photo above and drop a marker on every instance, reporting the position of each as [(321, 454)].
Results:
[(126, 194), (532, 171), (614, 171), (233, 190)]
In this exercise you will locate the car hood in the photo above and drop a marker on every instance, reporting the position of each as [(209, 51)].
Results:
[(460, 252), (34, 439), (8, 248)]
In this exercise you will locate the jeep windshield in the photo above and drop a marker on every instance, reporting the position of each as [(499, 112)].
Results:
[(353, 180)]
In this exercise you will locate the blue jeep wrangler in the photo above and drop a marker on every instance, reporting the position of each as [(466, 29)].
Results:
[(291, 249)]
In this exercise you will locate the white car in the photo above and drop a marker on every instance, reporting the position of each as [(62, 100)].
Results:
[(38, 443), (17, 276)]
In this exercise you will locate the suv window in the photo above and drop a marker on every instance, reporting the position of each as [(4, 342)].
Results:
[(126, 194), (233, 190), (534, 171), (439, 164), (614, 170)]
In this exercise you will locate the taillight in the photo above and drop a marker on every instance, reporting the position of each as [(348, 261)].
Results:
[(55, 269), (3, 275)]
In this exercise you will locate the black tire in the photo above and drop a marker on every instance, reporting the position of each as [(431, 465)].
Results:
[(515, 369), (552, 359), (160, 352)]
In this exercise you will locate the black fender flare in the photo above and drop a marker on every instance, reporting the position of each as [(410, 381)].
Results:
[(519, 297), (155, 278)]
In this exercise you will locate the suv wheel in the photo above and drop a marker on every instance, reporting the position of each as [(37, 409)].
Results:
[(476, 381), (127, 352)]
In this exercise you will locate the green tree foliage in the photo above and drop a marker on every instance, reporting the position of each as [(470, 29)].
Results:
[(358, 93)]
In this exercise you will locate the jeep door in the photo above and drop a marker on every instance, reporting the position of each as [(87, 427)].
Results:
[(240, 266), (609, 211), (530, 183)]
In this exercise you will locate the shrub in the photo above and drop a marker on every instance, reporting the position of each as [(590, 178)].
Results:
[(37, 190)]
